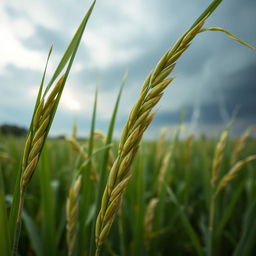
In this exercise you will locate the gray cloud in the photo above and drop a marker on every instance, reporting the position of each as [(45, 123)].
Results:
[(240, 95), (42, 39), (214, 75)]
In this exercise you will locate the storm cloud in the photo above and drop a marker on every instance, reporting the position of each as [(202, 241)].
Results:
[(215, 76)]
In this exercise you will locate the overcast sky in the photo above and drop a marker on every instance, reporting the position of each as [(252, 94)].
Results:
[(214, 77)]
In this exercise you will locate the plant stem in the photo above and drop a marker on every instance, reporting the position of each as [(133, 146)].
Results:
[(18, 225), (208, 11), (211, 225), (121, 232)]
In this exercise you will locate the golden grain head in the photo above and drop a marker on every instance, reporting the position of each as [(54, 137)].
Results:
[(233, 172)]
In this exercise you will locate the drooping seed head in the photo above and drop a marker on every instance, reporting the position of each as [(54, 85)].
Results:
[(233, 172), (218, 156)]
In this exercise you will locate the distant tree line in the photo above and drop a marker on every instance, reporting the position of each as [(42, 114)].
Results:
[(7, 129)]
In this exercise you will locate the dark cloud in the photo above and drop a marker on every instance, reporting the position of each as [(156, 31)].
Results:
[(215, 76), (238, 93), (241, 92)]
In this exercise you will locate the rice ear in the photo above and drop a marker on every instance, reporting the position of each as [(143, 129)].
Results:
[(233, 172), (218, 156), (138, 121)]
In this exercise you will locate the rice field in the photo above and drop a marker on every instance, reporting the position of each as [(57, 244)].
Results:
[(103, 196), (165, 211)]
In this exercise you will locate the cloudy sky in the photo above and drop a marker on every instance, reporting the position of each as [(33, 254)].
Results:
[(214, 77)]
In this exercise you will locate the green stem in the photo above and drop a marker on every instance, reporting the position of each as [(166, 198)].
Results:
[(18, 225), (121, 232), (97, 253), (208, 11), (211, 226)]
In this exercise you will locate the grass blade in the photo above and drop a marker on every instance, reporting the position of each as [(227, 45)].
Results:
[(232, 36), (72, 48), (187, 226), (47, 206), (246, 245), (33, 234), (87, 187)]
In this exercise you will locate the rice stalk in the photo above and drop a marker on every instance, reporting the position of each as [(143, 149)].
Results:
[(240, 146), (104, 164), (44, 112), (41, 121), (72, 214), (218, 156), (76, 147), (216, 166), (148, 221), (36, 138), (225, 180), (233, 172), (160, 144), (138, 121), (163, 170)]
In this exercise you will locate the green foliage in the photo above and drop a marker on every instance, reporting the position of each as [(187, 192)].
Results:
[(185, 208)]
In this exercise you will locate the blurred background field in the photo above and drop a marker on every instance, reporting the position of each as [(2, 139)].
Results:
[(215, 76), (166, 208)]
